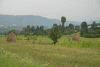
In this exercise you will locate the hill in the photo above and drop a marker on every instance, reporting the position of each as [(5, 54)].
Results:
[(24, 20)]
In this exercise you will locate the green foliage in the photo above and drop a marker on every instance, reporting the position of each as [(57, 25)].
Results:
[(32, 31), (63, 20), (32, 28), (10, 32), (42, 28), (70, 32), (55, 25), (55, 34), (84, 25), (9, 61), (25, 53), (37, 28), (5, 34), (77, 28), (92, 32), (94, 26), (71, 26)]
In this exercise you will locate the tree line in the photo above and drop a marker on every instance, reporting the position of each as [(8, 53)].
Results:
[(58, 30), (90, 31)]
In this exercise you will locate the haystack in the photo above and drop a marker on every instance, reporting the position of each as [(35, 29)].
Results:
[(11, 37), (76, 37)]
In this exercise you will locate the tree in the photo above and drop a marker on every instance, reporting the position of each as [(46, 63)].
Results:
[(70, 32), (12, 31), (55, 25), (60, 28), (84, 28), (36, 33), (37, 28), (5, 34), (71, 26), (77, 27), (94, 26), (28, 27), (55, 34), (42, 28), (45, 32), (84, 25), (63, 20), (67, 28), (32, 28)]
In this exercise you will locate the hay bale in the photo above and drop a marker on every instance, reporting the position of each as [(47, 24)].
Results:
[(11, 37), (76, 37)]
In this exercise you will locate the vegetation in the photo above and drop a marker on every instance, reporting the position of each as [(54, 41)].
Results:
[(40, 52), (63, 20), (54, 47), (92, 32), (55, 34)]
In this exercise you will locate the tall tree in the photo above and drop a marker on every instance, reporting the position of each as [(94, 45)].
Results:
[(84, 28), (84, 25), (42, 28), (63, 20), (28, 27), (37, 28), (94, 26), (32, 28), (71, 26)]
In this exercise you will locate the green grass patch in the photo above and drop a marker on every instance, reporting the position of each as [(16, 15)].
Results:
[(40, 52)]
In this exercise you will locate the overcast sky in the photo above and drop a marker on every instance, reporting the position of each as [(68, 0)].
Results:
[(73, 10)]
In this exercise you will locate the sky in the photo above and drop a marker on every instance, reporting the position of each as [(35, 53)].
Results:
[(73, 10)]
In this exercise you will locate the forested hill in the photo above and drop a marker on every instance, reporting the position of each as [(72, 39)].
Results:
[(24, 20)]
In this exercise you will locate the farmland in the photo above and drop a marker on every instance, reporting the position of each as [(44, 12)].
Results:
[(39, 51)]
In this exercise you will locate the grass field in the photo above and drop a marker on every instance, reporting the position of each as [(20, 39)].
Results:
[(40, 52)]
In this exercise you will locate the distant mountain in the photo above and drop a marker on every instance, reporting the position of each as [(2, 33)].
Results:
[(24, 20)]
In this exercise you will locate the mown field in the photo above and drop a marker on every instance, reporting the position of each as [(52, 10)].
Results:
[(40, 52)]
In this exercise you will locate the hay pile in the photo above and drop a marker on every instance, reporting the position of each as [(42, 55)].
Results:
[(11, 37), (76, 37)]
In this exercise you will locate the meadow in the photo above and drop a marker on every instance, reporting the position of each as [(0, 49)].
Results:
[(39, 51)]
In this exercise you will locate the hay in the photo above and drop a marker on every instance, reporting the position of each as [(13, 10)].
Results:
[(76, 37), (11, 37)]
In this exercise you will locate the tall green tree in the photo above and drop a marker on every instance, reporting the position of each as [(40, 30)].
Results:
[(84, 25), (37, 28), (84, 28), (42, 28), (63, 20), (93, 26), (32, 28), (71, 26)]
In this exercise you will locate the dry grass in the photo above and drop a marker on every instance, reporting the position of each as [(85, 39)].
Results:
[(11, 37)]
